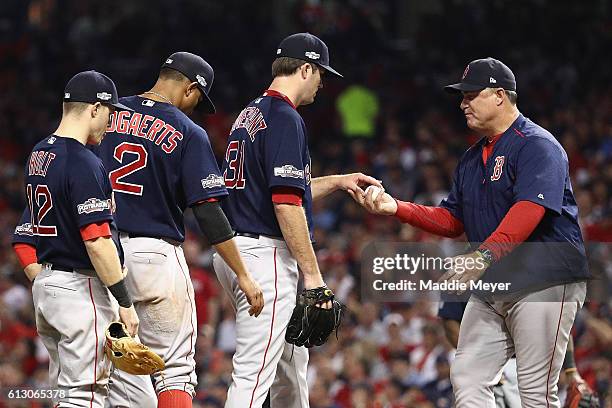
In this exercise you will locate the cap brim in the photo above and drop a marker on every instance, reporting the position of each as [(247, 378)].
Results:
[(462, 87), (121, 106), (207, 103), (330, 69)]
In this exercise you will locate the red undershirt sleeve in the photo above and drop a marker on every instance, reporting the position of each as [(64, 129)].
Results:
[(518, 224), (96, 230), (435, 220), (209, 200), (26, 254), (287, 195)]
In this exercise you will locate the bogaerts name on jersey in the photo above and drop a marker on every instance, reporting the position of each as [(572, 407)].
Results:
[(147, 127)]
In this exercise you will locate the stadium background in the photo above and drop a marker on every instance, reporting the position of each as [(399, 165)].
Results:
[(388, 118)]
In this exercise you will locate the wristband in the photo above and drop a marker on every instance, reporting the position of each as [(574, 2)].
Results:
[(487, 255), (119, 291), (569, 363)]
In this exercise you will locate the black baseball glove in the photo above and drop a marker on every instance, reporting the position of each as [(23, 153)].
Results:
[(310, 324)]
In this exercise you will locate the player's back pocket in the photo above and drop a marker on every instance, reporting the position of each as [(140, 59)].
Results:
[(53, 286), (149, 257)]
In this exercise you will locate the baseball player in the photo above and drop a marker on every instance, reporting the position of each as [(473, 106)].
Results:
[(510, 187), (124, 390), (66, 246), (507, 392), (267, 173), (160, 162)]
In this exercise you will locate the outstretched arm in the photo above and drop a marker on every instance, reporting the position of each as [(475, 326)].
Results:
[(435, 220), (323, 186)]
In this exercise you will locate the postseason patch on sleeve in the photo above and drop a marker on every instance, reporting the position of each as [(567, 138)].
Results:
[(212, 181), (93, 205), (24, 229), (288, 170)]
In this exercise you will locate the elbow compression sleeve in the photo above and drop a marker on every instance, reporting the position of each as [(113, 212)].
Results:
[(213, 222)]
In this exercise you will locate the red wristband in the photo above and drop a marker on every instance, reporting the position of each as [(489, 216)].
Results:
[(97, 230), (287, 195), (26, 254)]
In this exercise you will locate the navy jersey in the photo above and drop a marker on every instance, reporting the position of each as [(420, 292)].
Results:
[(67, 188), (527, 164), (159, 162), (23, 233), (267, 148), (452, 310)]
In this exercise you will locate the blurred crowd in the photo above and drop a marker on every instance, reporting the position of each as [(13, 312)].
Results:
[(388, 117)]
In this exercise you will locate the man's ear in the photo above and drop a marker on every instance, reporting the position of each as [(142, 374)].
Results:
[(191, 88), (304, 70), (95, 109), (501, 94)]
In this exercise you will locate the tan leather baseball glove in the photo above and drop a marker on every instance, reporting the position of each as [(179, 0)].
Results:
[(129, 355)]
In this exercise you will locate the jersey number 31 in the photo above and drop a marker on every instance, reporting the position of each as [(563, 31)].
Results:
[(234, 173)]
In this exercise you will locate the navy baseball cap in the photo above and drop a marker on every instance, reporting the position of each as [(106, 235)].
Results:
[(306, 47), (196, 70), (92, 87), (484, 73)]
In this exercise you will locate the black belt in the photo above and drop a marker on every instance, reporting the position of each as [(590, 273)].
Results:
[(255, 236), (62, 268), (168, 240), (129, 234), (83, 271), (247, 234)]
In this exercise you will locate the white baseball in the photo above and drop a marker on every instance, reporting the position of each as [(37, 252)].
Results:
[(375, 191)]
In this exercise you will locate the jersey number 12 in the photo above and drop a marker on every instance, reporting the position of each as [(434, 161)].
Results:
[(40, 199)]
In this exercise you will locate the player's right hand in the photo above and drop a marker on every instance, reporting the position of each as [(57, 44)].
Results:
[(253, 293), (382, 204), (317, 282), (128, 316)]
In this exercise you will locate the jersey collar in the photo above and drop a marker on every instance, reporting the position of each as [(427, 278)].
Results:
[(278, 95), (513, 129)]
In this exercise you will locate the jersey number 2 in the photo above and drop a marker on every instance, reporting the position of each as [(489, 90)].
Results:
[(129, 168), (41, 191), (234, 156)]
